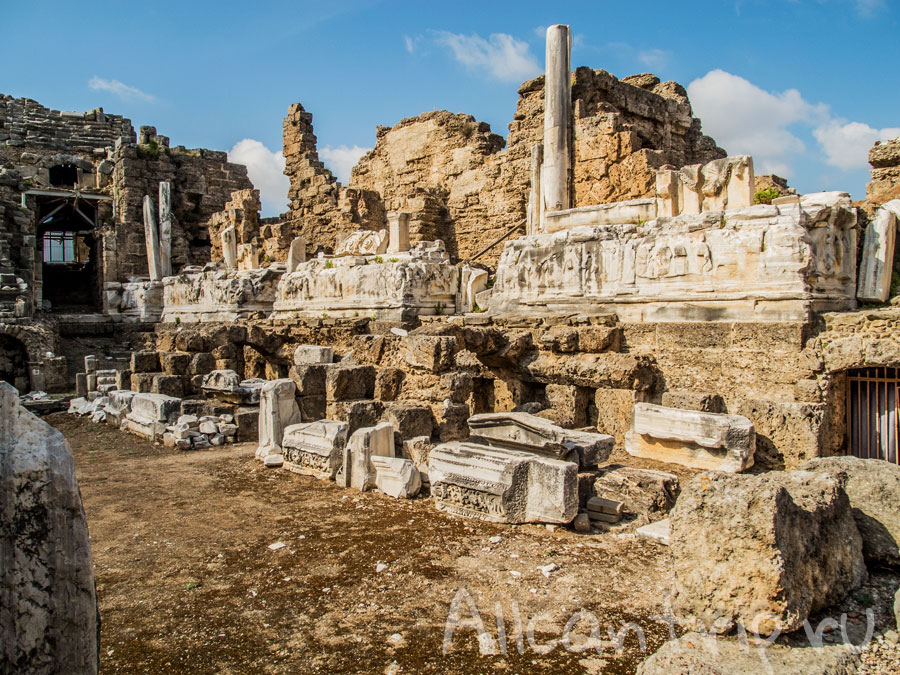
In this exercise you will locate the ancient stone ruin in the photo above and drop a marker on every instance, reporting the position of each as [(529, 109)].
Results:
[(488, 323)]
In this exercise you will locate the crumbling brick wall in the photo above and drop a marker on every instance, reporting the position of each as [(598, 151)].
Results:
[(460, 184)]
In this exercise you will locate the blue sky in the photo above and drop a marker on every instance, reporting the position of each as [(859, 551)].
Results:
[(805, 85)]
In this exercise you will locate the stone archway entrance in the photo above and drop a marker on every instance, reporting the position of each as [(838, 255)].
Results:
[(14, 363), (873, 419)]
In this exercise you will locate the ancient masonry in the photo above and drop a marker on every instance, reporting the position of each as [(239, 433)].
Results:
[(508, 328)]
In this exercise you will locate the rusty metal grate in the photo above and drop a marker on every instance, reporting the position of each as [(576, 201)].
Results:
[(872, 415)]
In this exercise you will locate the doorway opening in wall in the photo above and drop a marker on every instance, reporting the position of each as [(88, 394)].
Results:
[(873, 395), (14, 363), (67, 245)]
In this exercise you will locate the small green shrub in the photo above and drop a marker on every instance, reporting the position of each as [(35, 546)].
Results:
[(393, 259), (378, 259), (439, 308), (766, 195), (328, 264)]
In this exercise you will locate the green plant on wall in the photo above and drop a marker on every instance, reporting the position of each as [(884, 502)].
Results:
[(766, 195), (328, 264), (439, 308)]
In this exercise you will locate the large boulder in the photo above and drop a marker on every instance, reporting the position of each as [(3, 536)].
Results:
[(764, 551), (873, 486), (48, 603)]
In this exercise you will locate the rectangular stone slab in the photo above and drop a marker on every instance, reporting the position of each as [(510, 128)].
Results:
[(314, 448), (505, 486), (699, 440)]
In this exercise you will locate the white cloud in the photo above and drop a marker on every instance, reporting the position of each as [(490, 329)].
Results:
[(120, 89), (266, 169), (410, 43), (869, 8), (745, 119), (654, 58), (846, 144), (341, 159), (501, 55)]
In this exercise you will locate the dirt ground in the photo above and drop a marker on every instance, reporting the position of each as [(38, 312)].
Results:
[(364, 583), (187, 582)]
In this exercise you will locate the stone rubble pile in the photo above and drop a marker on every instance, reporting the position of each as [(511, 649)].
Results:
[(228, 413)]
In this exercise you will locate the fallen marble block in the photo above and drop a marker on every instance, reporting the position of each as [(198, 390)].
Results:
[(529, 433), (357, 469), (314, 448), (151, 414), (696, 439), (48, 600), (119, 406), (76, 404), (503, 486), (658, 532), (227, 386), (397, 477), (305, 354)]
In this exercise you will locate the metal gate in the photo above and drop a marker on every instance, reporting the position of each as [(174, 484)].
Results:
[(872, 416)]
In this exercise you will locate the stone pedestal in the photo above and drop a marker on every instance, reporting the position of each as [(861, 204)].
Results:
[(398, 232), (277, 410), (296, 254)]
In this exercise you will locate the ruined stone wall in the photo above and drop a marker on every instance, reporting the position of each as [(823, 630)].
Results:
[(202, 182), (242, 212), (623, 131), (314, 191), (17, 249), (459, 183), (27, 125), (885, 161)]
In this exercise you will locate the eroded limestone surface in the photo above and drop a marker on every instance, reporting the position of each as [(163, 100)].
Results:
[(48, 604)]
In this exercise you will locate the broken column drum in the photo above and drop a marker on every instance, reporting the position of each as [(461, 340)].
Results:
[(151, 237), (165, 229)]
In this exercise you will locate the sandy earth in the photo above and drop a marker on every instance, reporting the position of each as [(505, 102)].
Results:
[(187, 582), (364, 584)]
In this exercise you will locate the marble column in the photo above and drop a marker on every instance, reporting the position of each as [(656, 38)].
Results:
[(151, 238), (533, 224), (557, 120), (165, 228)]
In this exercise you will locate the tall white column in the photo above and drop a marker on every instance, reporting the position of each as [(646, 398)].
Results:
[(533, 226), (557, 120), (165, 228), (151, 238)]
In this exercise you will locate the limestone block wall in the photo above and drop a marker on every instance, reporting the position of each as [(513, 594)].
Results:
[(461, 185), (314, 192), (17, 249), (885, 161), (27, 125), (242, 212), (202, 183)]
